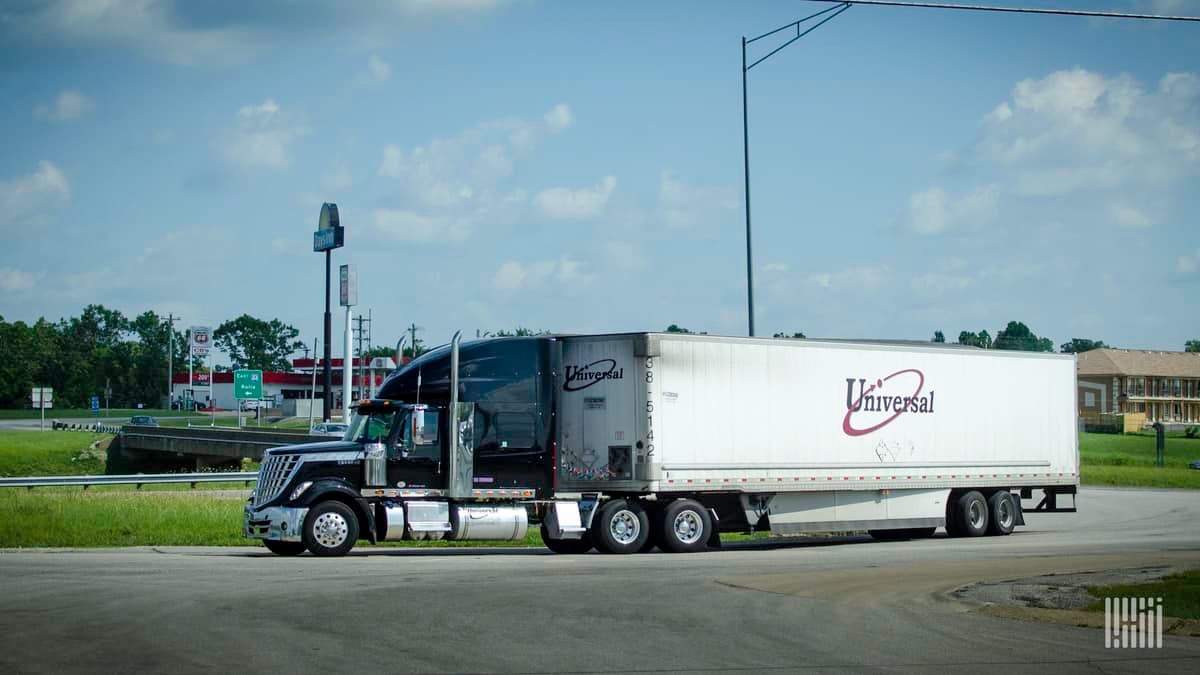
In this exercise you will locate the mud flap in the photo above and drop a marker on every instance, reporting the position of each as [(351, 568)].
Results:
[(714, 535)]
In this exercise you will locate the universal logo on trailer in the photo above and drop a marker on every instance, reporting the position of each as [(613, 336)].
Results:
[(582, 377), (878, 408)]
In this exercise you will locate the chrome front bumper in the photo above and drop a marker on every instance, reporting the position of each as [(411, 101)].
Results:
[(276, 523)]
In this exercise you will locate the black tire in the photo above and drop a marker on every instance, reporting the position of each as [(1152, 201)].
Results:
[(330, 529), (284, 547), (567, 546), (684, 526), (972, 514), (1002, 513), (621, 526)]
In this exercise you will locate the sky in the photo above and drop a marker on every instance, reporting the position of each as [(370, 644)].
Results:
[(577, 167)]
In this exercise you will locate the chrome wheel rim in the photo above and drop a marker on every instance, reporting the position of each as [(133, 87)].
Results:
[(625, 527), (1004, 514), (975, 514), (688, 527), (330, 530)]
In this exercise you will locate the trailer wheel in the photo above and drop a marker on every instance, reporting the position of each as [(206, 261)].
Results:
[(567, 546), (684, 526), (972, 514), (284, 547), (1003, 513), (621, 526), (330, 529)]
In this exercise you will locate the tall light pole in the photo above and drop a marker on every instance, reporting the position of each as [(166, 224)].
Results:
[(329, 235), (836, 9), (841, 6)]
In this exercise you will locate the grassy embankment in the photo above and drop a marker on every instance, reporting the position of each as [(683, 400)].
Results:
[(1180, 594), (1128, 460), (169, 515)]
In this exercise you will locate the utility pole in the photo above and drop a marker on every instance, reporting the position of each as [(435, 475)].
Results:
[(412, 331), (362, 334), (171, 319)]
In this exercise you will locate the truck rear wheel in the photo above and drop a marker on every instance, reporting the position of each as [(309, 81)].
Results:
[(1003, 513), (621, 526), (684, 527), (972, 516), (567, 546), (284, 547), (330, 529)]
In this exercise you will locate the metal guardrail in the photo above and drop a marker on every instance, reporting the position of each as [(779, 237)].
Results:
[(139, 479)]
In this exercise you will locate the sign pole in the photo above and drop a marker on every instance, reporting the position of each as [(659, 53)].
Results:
[(42, 405), (347, 370), (312, 393), (191, 379), (328, 371)]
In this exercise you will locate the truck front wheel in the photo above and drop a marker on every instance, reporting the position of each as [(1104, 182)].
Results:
[(330, 529), (621, 526)]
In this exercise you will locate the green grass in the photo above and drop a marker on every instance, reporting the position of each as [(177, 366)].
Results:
[(1128, 460), (65, 517), (52, 453), (1180, 594), (62, 413)]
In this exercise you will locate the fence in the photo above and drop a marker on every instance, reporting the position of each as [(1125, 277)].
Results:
[(139, 479)]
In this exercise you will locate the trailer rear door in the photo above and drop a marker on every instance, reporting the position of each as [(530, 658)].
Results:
[(598, 403)]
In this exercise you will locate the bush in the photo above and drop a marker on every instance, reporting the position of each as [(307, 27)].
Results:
[(1191, 432)]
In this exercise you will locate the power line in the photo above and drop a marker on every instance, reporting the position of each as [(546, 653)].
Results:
[(1017, 10)]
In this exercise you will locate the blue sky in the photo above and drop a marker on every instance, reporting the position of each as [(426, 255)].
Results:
[(577, 167)]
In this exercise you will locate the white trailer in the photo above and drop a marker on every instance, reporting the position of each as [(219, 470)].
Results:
[(811, 435)]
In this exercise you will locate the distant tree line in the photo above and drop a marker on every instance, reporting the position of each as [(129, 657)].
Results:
[(79, 356)]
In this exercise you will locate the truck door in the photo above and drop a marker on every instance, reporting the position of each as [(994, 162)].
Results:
[(415, 452), (598, 404)]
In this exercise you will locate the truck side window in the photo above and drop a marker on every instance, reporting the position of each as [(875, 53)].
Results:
[(426, 446)]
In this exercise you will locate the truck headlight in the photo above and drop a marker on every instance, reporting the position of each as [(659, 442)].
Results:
[(300, 489)]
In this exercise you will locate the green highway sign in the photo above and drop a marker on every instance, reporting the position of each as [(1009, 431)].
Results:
[(247, 384)]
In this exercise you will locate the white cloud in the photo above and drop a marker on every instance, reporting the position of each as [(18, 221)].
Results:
[(337, 178), (12, 280), (576, 204), (184, 32), (69, 105), (1127, 216), (1188, 265), (378, 69), (776, 267), (934, 211), (558, 118), (461, 175), (261, 137), (411, 227), (514, 276), (28, 199), (1077, 131), (683, 205), (856, 278)]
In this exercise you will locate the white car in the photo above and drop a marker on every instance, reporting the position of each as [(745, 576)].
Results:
[(337, 429)]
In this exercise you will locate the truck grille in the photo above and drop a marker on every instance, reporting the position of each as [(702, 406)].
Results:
[(273, 476)]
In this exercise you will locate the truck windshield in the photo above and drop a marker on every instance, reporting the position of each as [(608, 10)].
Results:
[(371, 427)]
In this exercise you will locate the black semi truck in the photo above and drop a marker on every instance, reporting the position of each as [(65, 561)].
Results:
[(628, 442)]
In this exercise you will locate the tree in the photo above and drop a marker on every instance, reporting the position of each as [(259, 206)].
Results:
[(982, 339), (1080, 345), (1192, 346), (519, 331), (676, 329), (794, 336), (938, 337), (1017, 336), (257, 344)]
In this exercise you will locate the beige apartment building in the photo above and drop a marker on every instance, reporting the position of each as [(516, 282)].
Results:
[(1163, 385)]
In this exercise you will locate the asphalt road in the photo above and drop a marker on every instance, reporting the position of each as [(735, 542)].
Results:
[(850, 604)]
